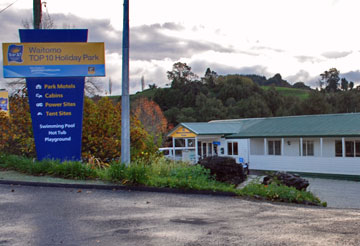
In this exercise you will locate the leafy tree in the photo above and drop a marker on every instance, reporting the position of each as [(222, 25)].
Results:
[(316, 103), (331, 79), (101, 136), (209, 78), (209, 108), (344, 84), (254, 106), (172, 115), (151, 117), (180, 75), (16, 135), (351, 85), (273, 100)]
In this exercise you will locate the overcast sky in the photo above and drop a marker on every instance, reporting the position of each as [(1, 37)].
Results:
[(297, 38)]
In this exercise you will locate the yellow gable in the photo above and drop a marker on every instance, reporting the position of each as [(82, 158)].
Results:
[(182, 132)]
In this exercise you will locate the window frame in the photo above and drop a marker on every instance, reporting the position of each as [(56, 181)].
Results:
[(232, 148), (306, 147), (274, 147)]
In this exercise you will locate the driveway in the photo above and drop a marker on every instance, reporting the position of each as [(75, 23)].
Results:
[(62, 216), (337, 193)]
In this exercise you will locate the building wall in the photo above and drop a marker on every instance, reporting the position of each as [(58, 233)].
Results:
[(329, 147), (243, 149), (306, 164), (257, 146), (291, 146)]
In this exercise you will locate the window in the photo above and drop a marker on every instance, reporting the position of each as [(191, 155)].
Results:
[(274, 147), (230, 148), (357, 148), (204, 150), (199, 149), (191, 142), (233, 148), (210, 149), (179, 142), (349, 148), (308, 148), (338, 148), (352, 148), (215, 150)]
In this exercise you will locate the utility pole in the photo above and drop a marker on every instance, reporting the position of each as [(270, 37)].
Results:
[(125, 100), (37, 13)]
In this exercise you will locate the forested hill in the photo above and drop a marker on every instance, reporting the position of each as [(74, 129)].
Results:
[(190, 99)]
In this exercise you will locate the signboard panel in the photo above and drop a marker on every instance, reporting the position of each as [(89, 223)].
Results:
[(53, 59), (183, 132), (56, 106), (56, 102), (4, 102)]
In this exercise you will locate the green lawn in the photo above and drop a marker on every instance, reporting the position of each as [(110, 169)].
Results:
[(300, 93)]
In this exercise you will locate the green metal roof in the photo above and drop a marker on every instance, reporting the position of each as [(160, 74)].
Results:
[(325, 125), (208, 128)]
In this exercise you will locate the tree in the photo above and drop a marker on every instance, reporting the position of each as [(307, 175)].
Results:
[(331, 79), (209, 108), (351, 85), (151, 117), (344, 84), (180, 75), (209, 78), (92, 86), (316, 103)]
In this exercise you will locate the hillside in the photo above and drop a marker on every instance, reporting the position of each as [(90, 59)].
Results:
[(292, 92)]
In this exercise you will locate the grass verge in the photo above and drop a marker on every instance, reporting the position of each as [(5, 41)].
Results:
[(156, 172)]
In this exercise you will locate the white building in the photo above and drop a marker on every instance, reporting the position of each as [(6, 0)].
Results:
[(328, 144)]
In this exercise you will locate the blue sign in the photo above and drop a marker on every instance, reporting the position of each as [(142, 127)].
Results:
[(241, 160), (3, 104), (216, 143), (56, 104)]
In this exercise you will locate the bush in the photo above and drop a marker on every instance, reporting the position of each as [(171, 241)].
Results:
[(276, 192), (72, 170), (16, 136), (101, 133), (160, 172)]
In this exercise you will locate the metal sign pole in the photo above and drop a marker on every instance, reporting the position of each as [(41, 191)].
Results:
[(37, 13), (125, 100)]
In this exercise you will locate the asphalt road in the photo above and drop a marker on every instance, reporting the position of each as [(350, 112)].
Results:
[(59, 216), (337, 193)]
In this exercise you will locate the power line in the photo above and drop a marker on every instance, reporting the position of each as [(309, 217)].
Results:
[(8, 6)]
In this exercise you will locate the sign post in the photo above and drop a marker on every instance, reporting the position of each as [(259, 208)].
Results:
[(55, 63)]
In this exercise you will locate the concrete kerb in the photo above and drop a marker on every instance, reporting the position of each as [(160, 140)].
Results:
[(117, 187)]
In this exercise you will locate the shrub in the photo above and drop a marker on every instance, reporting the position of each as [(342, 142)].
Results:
[(101, 136), (16, 136), (276, 192), (72, 170), (101, 133)]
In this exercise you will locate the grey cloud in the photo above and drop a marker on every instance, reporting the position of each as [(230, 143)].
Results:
[(267, 48), (301, 76), (199, 67), (10, 22), (336, 54), (304, 59), (148, 42), (352, 76)]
